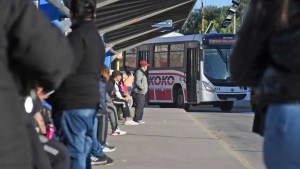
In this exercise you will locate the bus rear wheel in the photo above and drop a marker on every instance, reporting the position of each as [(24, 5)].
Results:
[(226, 106), (179, 102)]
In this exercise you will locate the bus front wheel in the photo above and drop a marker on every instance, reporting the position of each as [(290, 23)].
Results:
[(226, 106), (179, 102), (187, 107)]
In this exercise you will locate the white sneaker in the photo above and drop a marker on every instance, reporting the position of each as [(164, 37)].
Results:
[(118, 132), (141, 122), (108, 148), (130, 123)]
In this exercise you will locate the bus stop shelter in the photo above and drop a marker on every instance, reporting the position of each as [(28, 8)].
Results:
[(124, 24)]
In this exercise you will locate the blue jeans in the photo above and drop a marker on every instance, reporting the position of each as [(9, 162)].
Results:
[(77, 132), (282, 137), (102, 91), (97, 149)]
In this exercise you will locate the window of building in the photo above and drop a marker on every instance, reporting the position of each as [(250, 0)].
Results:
[(161, 56), (176, 55)]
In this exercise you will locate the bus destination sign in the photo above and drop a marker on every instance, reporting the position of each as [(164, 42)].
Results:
[(223, 41)]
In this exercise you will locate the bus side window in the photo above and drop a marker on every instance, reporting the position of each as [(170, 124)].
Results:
[(130, 58), (161, 53)]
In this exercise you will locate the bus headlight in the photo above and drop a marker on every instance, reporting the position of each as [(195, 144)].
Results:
[(208, 87)]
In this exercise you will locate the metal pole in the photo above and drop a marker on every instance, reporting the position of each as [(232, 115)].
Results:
[(234, 23), (202, 12)]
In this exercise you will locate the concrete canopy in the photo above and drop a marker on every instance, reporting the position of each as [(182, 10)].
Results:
[(127, 23)]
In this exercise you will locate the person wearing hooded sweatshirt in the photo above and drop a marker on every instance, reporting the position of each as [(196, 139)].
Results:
[(75, 104)]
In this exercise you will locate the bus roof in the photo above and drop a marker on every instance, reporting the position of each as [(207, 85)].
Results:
[(195, 37), (185, 38)]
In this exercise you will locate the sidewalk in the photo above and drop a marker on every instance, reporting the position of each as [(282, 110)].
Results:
[(170, 139)]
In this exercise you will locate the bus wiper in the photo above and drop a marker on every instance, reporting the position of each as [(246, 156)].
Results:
[(223, 57), (226, 62), (221, 54)]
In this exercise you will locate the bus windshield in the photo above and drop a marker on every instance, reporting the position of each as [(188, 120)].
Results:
[(216, 63)]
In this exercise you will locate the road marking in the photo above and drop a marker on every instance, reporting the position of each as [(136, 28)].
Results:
[(236, 155)]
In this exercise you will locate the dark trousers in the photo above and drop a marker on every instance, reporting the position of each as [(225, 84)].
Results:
[(48, 154), (139, 103), (124, 106), (102, 126), (58, 154), (112, 116), (39, 156)]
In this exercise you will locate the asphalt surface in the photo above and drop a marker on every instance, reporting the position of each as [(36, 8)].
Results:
[(234, 129), (204, 138)]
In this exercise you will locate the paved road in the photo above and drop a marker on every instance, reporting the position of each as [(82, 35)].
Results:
[(234, 129), (175, 139)]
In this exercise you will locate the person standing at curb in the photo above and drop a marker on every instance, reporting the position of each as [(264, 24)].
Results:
[(139, 91)]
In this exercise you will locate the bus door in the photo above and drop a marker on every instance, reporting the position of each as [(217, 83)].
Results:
[(192, 74), (144, 55)]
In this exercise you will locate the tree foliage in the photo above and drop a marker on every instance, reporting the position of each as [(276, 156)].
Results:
[(215, 15)]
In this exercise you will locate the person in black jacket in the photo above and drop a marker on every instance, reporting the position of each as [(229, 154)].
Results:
[(29, 44), (76, 102), (266, 57)]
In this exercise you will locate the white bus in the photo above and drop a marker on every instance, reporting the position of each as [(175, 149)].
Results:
[(189, 70)]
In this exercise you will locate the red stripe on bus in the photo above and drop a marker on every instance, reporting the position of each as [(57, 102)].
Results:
[(168, 94), (163, 95), (160, 95), (151, 95)]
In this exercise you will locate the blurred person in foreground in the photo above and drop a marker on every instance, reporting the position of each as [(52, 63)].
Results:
[(32, 51), (266, 58), (75, 103)]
